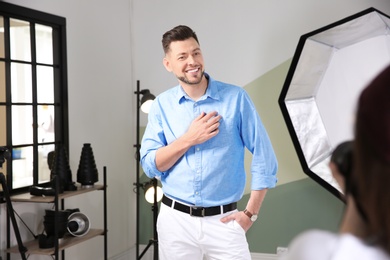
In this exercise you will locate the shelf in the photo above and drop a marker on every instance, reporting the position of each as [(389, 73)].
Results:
[(27, 197), (68, 240), (63, 243)]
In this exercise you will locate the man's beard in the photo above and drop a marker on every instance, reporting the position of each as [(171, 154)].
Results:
[(186, 81)]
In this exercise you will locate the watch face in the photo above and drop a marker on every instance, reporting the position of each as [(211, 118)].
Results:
[(254, 217)]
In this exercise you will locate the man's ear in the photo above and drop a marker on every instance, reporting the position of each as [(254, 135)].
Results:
[(167, 64)]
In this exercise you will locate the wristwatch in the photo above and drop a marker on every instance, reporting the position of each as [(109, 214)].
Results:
[(252, 217)]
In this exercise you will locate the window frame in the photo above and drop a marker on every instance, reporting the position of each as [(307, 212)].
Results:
[(61, 123)]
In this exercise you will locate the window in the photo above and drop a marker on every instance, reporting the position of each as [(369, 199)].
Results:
[(33, 92)]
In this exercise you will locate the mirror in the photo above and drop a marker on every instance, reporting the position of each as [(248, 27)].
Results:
[(329, 69)]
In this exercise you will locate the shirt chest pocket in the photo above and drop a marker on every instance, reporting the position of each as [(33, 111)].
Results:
[(228, 134)]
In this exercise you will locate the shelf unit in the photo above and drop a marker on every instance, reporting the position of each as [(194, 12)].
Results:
[(68, 240)]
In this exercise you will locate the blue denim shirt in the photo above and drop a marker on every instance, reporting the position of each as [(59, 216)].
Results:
[(211, 173)]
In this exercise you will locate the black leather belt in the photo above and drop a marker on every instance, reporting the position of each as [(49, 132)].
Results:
[(199, 211)]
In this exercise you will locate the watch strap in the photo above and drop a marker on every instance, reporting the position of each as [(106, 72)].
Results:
[(248, 213)]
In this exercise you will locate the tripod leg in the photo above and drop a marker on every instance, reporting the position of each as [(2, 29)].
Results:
[(154, 240), (155, 215), (10, 209), (146, 249)]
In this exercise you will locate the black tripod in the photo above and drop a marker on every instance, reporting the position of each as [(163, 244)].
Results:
[(153, 241), (4, 154)]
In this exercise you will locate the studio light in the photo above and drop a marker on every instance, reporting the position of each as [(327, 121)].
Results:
[(78, 224), (149, 192), (143, 104), (146, 100), (330, 67), (5, 155)]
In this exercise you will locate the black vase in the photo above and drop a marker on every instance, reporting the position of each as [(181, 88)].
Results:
[(87, 173), (61, 170)]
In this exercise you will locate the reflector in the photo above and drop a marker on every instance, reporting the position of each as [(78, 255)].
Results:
[(329, 69)]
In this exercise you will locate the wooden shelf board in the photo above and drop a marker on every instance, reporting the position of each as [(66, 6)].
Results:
[(65, 242), (27, 197)]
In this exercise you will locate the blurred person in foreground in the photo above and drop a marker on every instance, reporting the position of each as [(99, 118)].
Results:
[(362, 168), (194, 143)]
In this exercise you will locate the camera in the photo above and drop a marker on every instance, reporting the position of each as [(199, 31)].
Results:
[(4, 155), (342, 157)]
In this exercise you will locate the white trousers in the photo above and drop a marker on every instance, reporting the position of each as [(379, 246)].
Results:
[(183, 237)]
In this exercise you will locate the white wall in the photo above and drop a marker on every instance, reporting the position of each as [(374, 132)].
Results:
[(241, 40), (111, 44)]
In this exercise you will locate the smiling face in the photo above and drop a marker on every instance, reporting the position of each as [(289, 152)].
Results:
[(184, 59)]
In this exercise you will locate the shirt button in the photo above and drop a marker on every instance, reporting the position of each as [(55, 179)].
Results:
[(198, 149)]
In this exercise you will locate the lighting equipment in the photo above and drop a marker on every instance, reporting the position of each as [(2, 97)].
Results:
[(87, 173), (153, 195), (146, 100), (150, 190), (144, 105), (50, 222), (5, 155), (61, 168), (327, 74), (78, 224)]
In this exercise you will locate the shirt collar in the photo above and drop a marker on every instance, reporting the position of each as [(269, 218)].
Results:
[(211, 91)]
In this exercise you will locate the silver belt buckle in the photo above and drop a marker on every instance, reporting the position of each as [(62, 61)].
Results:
[(196, 208)]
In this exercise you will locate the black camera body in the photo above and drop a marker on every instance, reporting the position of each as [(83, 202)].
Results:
[(4, 155), (342, 157)]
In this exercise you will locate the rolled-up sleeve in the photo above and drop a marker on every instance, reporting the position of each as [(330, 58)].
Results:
[(264, 163), (152, 140)]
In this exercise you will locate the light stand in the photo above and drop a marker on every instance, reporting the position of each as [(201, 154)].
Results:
[(157, 196), (4, 153), (147, 97)]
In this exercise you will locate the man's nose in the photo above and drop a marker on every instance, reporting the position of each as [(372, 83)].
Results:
[(191, 59)]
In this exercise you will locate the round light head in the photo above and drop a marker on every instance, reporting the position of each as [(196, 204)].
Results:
[(149, 193), (146, 100), (145, 107)]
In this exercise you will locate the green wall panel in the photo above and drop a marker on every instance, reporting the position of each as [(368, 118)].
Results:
[(290, 209)]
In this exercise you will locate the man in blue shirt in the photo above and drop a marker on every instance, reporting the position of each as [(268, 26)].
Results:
[(194, 144)]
